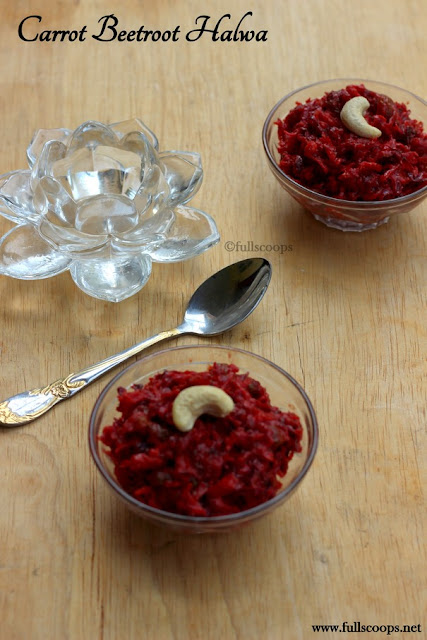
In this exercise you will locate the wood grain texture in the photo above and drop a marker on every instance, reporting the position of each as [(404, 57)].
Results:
[(345, 314)]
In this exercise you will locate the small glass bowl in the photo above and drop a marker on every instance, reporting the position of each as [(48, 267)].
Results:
[(284, 392), (345, 215)]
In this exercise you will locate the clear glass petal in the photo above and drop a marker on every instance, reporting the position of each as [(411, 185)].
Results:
[(51, 153), (25, 255), (61, 208), (147, 236), (16, 198), (70, 240), (137, 246), (154, 193), (41, 137), (139, 143), (192, 233), (160, 223), (113, 279), (184, 174), (128, 126), (91, 134)]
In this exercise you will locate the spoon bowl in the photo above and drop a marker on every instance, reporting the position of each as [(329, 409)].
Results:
[(220, 303), (227, 297)]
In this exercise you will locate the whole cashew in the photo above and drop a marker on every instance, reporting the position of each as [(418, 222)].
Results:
[(192, 402), (352, 117)]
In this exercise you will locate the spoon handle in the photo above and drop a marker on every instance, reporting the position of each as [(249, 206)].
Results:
[(29, 405)]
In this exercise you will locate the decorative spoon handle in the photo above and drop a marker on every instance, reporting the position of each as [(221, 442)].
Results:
[(29, 405)]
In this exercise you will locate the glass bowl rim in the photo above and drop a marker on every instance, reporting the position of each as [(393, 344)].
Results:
[(352, 204), (185, 519)]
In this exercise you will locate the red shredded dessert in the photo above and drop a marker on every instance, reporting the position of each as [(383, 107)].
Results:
[(222, 466), (320, 153)]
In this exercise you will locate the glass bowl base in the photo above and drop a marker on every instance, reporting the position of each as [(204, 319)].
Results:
[(346, 225)]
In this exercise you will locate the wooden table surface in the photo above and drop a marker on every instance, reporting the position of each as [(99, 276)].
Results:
[(345, 315)]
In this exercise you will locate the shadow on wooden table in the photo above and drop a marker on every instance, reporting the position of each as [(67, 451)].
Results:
[(182, 564), (347, 254)]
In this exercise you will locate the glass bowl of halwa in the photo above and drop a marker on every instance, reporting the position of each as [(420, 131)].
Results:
[(348, 181), (225, 470)]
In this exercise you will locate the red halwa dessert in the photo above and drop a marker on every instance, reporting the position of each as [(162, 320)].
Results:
[(221, 466), (319, 152)]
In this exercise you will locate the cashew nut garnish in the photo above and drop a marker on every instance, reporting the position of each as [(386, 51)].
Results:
[(352, 117), (192, 402)]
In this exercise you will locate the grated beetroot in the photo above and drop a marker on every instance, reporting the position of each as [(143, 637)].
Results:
[(222, 466), (320, 153)]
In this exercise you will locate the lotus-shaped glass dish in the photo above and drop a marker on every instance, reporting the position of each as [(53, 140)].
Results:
[(105, 203)]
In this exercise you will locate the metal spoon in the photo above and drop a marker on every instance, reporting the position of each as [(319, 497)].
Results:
[(220, 303)]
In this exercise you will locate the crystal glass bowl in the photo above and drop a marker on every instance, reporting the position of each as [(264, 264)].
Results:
[(284, 392), (340, 214), (104, 203)]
